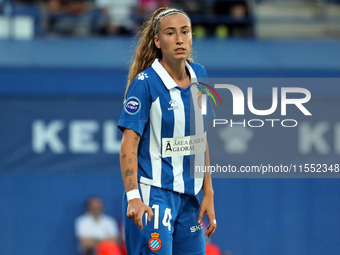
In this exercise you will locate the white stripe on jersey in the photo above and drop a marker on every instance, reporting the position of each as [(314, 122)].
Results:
[(145, 191), (199, 129), (179, 131), (155, 145)]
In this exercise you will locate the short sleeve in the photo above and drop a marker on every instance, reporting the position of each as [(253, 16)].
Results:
[(136, 110)]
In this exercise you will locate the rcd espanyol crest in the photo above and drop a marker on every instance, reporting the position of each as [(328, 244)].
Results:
[(155, 243)]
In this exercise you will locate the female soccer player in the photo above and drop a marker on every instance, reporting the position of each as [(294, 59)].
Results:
[(163, 137)]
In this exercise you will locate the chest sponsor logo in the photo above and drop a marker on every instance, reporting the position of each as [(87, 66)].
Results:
[(183, 146)]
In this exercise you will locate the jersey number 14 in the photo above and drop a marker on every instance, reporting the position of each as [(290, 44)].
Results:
[(166, 219)]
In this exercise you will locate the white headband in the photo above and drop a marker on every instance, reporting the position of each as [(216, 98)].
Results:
[(164, 14)]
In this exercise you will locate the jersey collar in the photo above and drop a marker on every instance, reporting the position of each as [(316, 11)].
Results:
[(166, 78)]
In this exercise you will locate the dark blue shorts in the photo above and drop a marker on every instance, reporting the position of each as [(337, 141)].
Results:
[(172, 231)]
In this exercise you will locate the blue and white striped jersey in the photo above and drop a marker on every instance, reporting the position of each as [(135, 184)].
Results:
[(172, 128)]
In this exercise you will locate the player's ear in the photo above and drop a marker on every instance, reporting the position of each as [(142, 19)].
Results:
[(156, 40)]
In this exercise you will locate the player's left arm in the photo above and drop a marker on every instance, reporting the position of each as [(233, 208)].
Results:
[(207, 205)]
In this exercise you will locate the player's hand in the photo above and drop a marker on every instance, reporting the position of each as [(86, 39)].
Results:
[(135, 211), (207, 207)]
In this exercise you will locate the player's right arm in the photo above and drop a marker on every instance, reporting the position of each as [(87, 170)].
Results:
[(129, 167)]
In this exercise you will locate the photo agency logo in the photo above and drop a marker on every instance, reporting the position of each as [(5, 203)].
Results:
[(202, 99), (238, 105)]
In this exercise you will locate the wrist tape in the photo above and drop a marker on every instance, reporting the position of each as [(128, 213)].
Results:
[(132, 194)]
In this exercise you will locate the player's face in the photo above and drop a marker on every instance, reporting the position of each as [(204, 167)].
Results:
[(174, 37)]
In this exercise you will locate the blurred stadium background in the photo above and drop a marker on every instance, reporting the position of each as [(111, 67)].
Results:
[(63, 70)]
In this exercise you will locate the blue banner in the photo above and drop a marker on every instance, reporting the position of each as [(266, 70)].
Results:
[(59, 134)]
